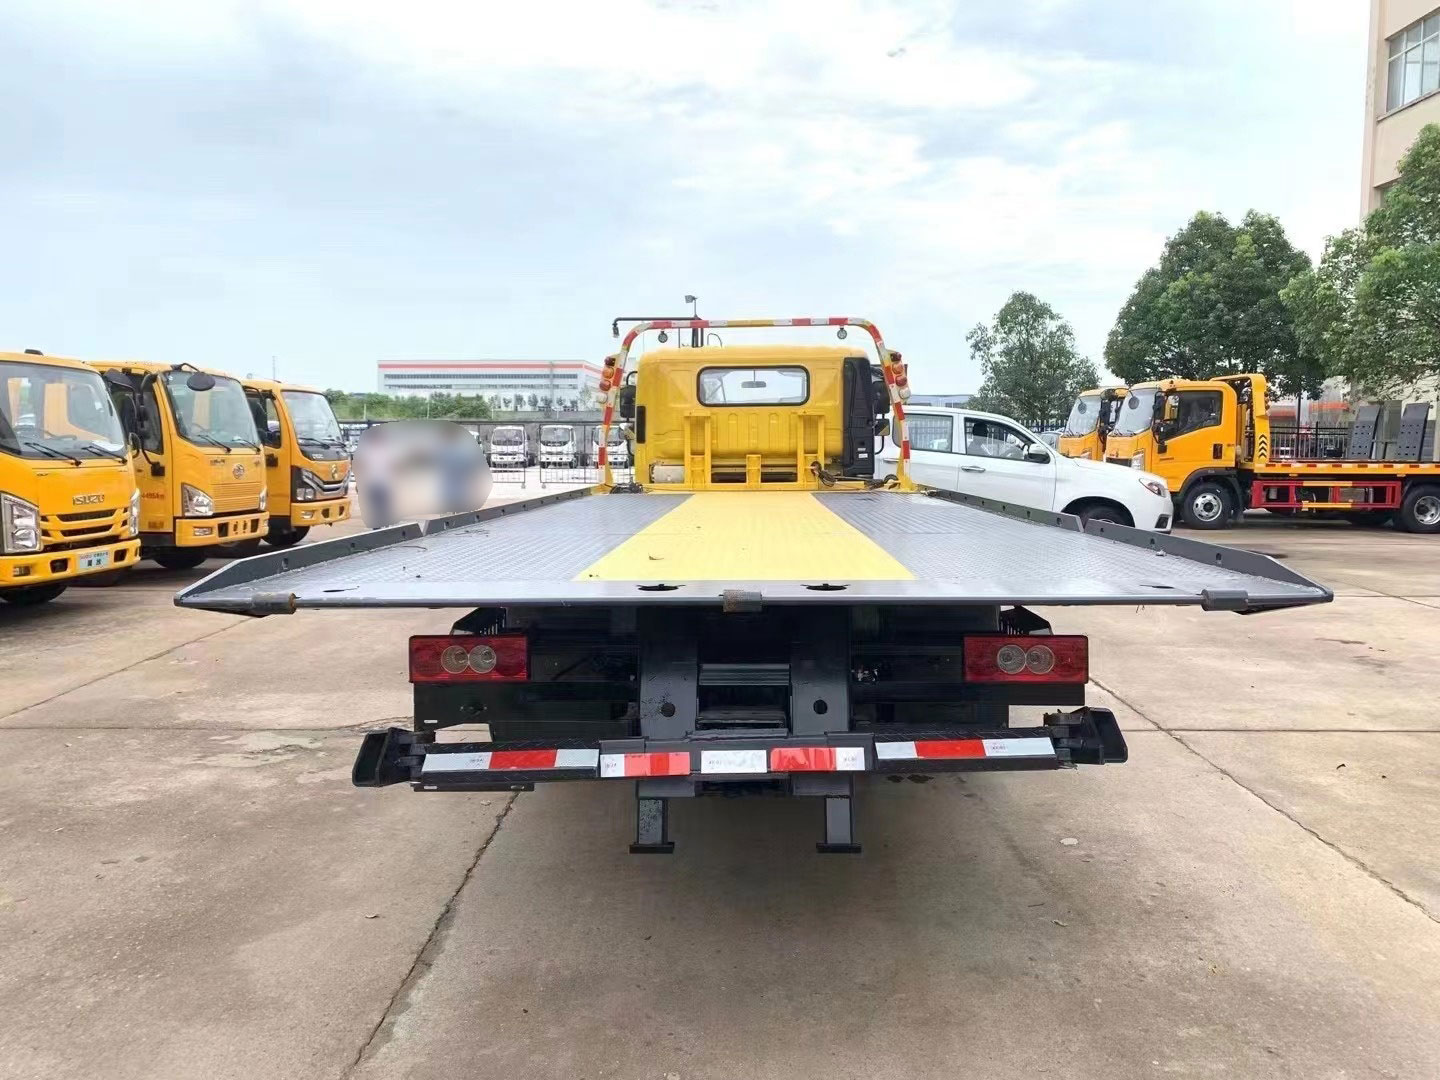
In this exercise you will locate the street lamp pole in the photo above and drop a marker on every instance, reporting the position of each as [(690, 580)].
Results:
[(694, 314)]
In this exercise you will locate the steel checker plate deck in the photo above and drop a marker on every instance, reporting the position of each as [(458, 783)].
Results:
[(562, 552)]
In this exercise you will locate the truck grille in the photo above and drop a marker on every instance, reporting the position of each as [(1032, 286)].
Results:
[(59, 532), (232, 497), (1119, 461)]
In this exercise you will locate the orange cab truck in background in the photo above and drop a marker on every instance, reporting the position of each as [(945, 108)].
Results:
[(199, 466), (1089, 423), (306, 463), (68, 501)]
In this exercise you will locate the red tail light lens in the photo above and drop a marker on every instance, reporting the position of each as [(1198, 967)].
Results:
[(1047, 659), (468, 658)]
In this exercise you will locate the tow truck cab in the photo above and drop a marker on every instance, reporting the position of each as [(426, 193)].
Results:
[(199, 467), (772, 417), (69, 506), (307, 466)]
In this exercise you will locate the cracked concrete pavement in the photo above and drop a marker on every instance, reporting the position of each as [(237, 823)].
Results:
[(188, 885)]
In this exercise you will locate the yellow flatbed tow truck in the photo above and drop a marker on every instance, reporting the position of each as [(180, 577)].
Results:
[(759, 612)]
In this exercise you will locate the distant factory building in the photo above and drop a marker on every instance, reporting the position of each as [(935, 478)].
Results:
[(562, 381)]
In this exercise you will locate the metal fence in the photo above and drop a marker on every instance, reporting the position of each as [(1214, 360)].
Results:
[(1307, 442), (537, 453)]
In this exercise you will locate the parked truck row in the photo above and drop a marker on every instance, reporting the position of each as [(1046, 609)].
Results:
[(105, 463), (1211, 441)]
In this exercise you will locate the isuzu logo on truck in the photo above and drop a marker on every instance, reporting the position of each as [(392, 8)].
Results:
[(87, 500)]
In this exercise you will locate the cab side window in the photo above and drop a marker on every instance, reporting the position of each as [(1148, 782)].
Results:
[(987, 438), (151, 438), (266, 417), (929, 432), (1198, 409)]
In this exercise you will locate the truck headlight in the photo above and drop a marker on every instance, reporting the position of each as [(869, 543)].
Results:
[(194, 502), (264, 497), (132, 526), (1155, 487), (19, 525), (1137, 459)]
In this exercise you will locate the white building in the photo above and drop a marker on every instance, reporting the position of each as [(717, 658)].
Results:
[(562, 381)]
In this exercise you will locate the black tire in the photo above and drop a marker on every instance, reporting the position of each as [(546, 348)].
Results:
[(181, 558), (1207, 505), (287, 538), (33, 595), (1102, 512), (1420, 512)]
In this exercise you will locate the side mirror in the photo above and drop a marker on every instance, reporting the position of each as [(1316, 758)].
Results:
[(132, 442), (627, 401), (200, 381), (1037, 453)]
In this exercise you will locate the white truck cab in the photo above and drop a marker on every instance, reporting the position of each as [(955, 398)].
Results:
[(558, 447), (509, 447), (995, 458), (619, 447)]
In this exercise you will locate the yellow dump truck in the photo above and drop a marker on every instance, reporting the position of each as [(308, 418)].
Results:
[(762, 611), (1211, 441), (306, 464), (198, 466), (1089, 423), (68, 502)]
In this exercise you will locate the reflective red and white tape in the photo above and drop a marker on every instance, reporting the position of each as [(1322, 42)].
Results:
[(951, 749), (504, 760), (761, 761)]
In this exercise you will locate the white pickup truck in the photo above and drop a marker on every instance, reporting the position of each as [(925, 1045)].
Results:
[(994, 457)]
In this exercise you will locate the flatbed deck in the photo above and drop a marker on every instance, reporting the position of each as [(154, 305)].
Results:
[(745, 547)]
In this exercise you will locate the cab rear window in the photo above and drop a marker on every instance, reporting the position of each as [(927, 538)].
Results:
[(754, 386)]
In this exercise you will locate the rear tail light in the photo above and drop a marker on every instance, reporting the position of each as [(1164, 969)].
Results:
[(1048, 659), (448, 658)]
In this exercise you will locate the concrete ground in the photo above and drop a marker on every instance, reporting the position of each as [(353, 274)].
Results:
[(190, 888)]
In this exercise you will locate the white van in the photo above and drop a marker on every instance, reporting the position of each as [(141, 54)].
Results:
[(619, 447), (994, 457), (509, 448), (557, 446)]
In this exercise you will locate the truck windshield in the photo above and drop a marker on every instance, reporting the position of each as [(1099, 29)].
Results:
[(206, 417), (50, 411), (1084, 415), (1136, 412), (617, 436), (506, 437), (312, 416), (754, 386), (555, 436)]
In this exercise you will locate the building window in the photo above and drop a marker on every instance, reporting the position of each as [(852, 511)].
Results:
[(1414, 67)]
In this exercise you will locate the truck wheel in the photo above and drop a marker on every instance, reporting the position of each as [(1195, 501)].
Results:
[(181, 558), (33, 595), (287, 538), (1420, 512), (1207, 505)]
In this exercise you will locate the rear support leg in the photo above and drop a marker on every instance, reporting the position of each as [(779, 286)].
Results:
[(839, 826), (652, 827)]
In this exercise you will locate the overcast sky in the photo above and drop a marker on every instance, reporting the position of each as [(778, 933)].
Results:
[(337, 182)]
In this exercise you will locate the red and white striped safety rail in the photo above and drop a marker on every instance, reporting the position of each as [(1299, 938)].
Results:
[(740, 762), (896, 380)]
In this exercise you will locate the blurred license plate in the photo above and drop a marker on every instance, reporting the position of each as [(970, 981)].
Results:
[(94, 560)]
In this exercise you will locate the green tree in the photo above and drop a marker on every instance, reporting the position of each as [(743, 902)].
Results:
[(1212, 306), (1371, 309), (1028, 361)]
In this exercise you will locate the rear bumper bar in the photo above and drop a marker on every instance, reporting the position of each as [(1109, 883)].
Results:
[(1086, 736)]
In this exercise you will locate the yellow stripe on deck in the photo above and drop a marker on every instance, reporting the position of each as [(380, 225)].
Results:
[(748, 536)]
